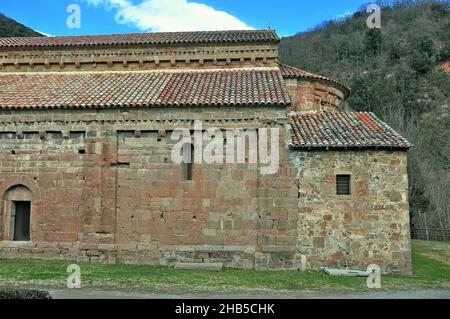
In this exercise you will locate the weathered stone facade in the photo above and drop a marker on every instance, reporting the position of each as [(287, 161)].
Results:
[(370, 226), (314, 95), (108, 190), (103, 187)]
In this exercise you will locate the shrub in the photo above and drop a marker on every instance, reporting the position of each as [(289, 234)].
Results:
[(444, 53), (13, 293), (421, 62)]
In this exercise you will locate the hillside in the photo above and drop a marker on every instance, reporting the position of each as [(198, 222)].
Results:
[(11, 28), (399, 72)]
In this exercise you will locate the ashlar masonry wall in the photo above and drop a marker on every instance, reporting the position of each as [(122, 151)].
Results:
[(104, 188), (314, 95)]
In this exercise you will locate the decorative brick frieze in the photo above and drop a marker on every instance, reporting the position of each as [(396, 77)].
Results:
[(137, 58)]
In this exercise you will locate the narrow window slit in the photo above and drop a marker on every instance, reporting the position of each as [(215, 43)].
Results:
[(188, 161)]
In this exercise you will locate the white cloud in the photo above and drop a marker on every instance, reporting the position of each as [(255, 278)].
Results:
[(346, 14), (170, 15), (43, 33), (110, 3)]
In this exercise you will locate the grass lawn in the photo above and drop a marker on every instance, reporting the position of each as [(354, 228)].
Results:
[(431, 262)]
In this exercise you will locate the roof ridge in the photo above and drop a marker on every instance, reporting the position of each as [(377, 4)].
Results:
[(155, 38), (290, 71), (143, 33)]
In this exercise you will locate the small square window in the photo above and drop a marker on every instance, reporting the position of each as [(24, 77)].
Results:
[(343, 184), (77, 135)]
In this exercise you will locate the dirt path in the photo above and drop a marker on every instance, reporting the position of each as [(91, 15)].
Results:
[(91, 293)]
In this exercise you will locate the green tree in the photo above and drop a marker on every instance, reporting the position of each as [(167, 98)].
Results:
[(421, 62), (373, 41)]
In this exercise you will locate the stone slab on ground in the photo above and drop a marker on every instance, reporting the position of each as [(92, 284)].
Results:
[(346, 272)]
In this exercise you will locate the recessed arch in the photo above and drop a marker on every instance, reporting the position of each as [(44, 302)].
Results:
[(17, 202), (21, 199), (18, 193), (23, 180)]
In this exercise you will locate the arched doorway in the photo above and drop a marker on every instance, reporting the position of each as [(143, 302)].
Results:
[(17, 204)]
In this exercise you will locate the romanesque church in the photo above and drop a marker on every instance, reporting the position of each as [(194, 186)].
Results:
[(86, 171)]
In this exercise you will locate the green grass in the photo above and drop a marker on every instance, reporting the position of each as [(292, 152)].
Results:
[(431, 262)]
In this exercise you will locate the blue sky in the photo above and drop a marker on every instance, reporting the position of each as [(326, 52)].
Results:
[(127, 16)]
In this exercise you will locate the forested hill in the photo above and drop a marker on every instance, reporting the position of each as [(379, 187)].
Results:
[(399, 72), (11, 28)]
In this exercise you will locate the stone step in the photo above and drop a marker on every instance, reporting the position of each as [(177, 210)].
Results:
[(200, 266), (346, 272)]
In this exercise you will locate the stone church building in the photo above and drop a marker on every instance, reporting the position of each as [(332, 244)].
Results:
[(86, 170)]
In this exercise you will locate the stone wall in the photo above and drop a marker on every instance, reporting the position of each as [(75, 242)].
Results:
[(369, 226), (104, 188), (314, 95)]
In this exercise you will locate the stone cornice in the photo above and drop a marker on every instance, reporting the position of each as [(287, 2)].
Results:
[(136, 58)]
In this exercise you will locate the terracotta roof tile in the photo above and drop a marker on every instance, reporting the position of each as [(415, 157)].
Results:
[(290, 72), (343, 130), (150, 88), (155, 38)]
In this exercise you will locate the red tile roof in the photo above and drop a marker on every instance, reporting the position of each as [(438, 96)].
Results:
[(290, 72), (343, 130), (156, 38), (122, 89)]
